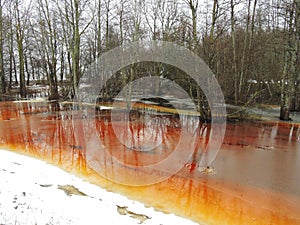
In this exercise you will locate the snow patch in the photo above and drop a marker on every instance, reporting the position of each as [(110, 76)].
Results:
[(34, 192)]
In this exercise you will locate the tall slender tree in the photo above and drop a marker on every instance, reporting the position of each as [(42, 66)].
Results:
[(20, 35), (74, 26), (2, 74), (49, 36), (296, 95), (234, 50), (193, 7), (290, 59)]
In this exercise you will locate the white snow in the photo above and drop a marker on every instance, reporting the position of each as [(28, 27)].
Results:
[(37, 99), (30, 193)]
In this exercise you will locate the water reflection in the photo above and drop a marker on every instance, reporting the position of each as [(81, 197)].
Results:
[(261, 154), (256, 170), (42, 129), (152, 146)]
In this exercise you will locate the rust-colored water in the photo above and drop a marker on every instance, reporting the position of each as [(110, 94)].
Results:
[(257, 170)]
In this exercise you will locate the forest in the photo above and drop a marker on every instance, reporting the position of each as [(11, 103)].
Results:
[(252, 46)]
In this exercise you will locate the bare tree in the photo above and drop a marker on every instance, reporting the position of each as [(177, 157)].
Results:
[(49, 37), (151, 14), (209, 43), (287, 85), (71, 17), (193, 6), (10, 41), (2, 74), (76, 46), (107, 27), (234, 50), (296, 95), (20, 35), (245, 48), (12, 66), (98, 29)]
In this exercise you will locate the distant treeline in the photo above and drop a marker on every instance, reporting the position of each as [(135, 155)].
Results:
[(252, 46)]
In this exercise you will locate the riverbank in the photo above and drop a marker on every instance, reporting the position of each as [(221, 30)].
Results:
[(258, 113), (34, 192)]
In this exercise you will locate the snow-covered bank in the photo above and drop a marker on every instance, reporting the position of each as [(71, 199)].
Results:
[(34, 192)]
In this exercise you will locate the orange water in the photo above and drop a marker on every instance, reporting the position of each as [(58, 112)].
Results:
[(256, 179)]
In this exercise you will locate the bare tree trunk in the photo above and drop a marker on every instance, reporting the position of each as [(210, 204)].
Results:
[(247, 64), (19, 39), (49, 42), (32, 67), (2, 74), (76, 48), (53, 75), (15, 69), (135, 37), (69, 18), (252, 26), (10, 61), (243, 62), (234, 65), (287, 85), (121, 20), (99, 34), (27, 70), (107, 5), (193, 6), (22, 68), (213, 21), (212, 33), (297, 70), (62, 65)]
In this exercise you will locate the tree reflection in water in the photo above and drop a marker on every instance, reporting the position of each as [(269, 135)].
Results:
[(256, 180)]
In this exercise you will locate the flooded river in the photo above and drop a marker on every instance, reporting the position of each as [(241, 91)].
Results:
[(254, 179), (263, 154)]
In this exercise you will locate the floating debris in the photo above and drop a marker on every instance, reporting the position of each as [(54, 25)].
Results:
[(77, 147), (265, 147), (122, 210), (71, 190), (208, 170), (45, 185)]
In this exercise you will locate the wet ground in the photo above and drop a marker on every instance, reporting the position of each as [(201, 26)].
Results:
[(255, 175)]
